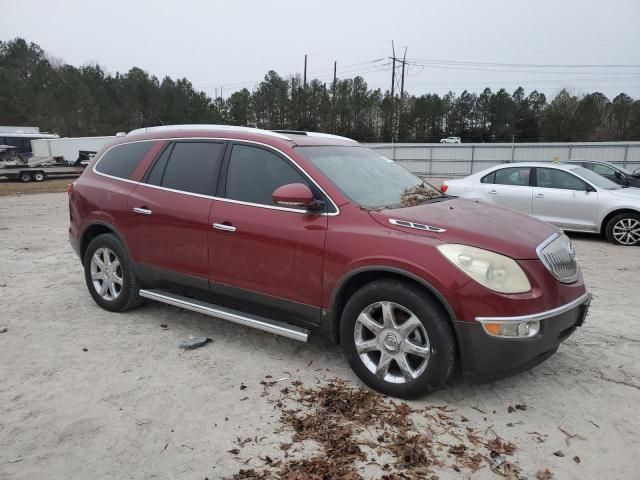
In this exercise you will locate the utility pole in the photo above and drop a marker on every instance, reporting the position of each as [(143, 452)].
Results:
[(333, 99), (305, 71), (404, 62), (396, 114)]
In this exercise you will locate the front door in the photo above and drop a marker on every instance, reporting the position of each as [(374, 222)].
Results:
[(174, 205), (261, 252), (564, 200)]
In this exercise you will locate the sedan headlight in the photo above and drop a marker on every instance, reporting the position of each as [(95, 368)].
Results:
[(492, 270)]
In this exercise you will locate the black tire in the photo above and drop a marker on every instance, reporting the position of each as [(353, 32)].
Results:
[(434, 319), (628, 217), (24, 177), (127, 297), (39, 176)]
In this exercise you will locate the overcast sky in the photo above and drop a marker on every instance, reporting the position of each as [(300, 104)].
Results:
[(233, 44)]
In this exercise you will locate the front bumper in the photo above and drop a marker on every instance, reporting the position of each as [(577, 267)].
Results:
[(485, 357)]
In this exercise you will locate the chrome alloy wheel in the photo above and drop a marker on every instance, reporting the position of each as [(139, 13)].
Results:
[(627, 231), (391, 342), (106, 274)]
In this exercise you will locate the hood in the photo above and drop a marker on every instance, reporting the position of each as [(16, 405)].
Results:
[(629, 192), (472, 223)]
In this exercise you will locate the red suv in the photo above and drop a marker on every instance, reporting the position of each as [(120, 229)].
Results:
[(294, 232)]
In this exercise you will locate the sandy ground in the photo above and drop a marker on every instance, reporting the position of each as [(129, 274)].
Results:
[(133, 405)]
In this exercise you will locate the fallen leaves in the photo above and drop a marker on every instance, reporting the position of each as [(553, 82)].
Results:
[(354, 428), (544, 474)]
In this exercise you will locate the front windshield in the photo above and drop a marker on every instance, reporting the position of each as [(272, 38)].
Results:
[(597, 180), (368, 178)]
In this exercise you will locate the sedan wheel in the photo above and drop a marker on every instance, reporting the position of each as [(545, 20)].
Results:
[(391, 342), (624, 229), (627, 231)]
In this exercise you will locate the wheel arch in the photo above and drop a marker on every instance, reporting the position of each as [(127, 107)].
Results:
[(613, 213), (360, 277), (95, 229)]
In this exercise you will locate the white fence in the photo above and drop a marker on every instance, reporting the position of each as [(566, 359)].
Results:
[(459, 160)]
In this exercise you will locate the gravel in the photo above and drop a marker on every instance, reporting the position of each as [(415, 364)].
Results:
[(135, 406)]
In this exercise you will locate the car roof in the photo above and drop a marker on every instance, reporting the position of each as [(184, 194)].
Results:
[(561, 166), (290, 137)]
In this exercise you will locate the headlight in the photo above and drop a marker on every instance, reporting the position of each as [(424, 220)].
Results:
[(492, 270)]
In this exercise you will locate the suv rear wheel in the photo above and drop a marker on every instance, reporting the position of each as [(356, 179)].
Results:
[(397, 339), (624, 229), (109, 274)]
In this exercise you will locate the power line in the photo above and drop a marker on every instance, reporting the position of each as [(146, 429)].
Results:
[(522, 65)]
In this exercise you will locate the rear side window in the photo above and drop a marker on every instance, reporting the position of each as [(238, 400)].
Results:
[(513, 176), (189, 166), (254, 173), (120, 161), (491, 178)]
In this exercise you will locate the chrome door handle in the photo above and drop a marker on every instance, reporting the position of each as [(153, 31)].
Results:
[(492, 192), (539, 195), (224, 228), (142, 211)]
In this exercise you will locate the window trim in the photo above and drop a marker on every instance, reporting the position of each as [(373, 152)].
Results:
[(334, 213)]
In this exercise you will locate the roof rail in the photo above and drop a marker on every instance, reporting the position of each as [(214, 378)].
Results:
[(314, 134), (207, 127)]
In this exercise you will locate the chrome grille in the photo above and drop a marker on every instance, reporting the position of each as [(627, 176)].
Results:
[(558, 255)]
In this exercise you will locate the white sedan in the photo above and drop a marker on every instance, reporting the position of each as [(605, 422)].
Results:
[(568, 196)]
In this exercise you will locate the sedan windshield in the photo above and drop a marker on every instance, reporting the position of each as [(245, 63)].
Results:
[(368, 178), (596, 179)]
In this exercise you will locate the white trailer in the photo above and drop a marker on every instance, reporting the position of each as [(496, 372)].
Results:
[(67, 150)]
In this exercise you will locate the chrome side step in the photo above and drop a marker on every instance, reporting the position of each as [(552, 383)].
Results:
[(249, 320)]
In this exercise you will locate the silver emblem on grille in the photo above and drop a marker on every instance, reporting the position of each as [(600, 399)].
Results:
[(559, 257)]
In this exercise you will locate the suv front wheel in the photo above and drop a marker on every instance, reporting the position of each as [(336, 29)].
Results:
[(109, 274), (397, 339)]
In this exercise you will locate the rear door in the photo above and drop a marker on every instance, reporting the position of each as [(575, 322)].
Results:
[(258, 251), (510, 187), (566, 201), (173, 205)]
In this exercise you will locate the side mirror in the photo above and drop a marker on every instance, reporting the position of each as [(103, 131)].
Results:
[(296, 195), (619, 175), (636, 172)]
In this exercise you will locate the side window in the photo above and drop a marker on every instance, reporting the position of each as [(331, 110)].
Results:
[(254, 173), (602, 169), (552, 178), (491, 178), (513, 176), (189, 167), (120, 161)]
